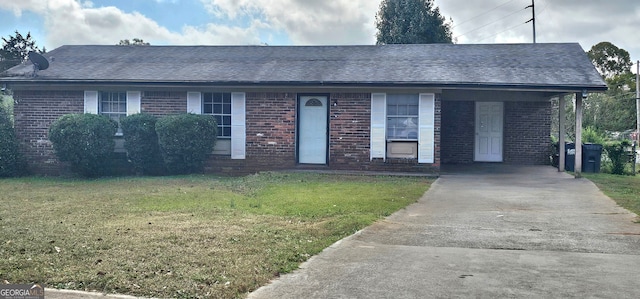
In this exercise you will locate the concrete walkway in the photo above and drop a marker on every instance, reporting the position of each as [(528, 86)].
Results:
[(487, 232)]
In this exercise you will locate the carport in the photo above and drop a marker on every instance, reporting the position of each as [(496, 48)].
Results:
[(500, 110)]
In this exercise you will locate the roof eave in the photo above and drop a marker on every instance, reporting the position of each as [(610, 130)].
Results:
[(441, 85)]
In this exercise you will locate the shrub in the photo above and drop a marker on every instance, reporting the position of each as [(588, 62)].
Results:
[(591, 135), (85, 141), (141, 143), (617, 154), (186, 140), (11, 161)]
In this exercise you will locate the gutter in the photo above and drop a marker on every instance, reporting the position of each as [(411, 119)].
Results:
[(309, 84)]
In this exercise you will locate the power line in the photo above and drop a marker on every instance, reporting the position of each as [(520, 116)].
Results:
[(513, 27), (484, 13), (546, 4), (490, 23)]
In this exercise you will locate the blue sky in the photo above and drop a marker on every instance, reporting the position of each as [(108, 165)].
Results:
[(310, 22)]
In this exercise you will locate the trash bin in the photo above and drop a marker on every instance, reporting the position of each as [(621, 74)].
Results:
[(569, 156), (591, 155)]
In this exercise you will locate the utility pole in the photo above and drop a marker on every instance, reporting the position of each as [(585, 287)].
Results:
[(637, 103), (533, 18)]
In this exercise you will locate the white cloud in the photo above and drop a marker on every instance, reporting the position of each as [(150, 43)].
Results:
[(308, 21), (74, 22)]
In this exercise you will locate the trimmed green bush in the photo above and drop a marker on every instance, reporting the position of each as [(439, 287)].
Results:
[(86, 141), (617, 155), (591, 135), (186, 141), (11, 161), (141, 143)]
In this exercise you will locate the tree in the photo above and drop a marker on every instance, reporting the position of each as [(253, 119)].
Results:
[(615, 110), (135, 42), (411, 22), (610, 60), (15, 50)]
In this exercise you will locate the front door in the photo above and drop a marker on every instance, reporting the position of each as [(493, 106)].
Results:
[(312, 130), (489, 128)]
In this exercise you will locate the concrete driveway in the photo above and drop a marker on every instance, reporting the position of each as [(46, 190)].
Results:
[(486, 232)]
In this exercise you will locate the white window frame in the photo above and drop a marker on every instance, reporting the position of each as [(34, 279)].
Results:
[(410, 131), (93, 103), (225, 103), (426, 127), (236, 143)]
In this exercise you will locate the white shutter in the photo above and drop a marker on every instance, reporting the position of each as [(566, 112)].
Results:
[(426, 141), (378, 125), (238, 126), (91, 101), (133, 102), (194, 102)]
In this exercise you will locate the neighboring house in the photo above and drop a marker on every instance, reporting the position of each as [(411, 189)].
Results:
[(407, 108)]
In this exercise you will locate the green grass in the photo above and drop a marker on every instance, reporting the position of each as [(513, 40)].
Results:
[(183, 237), (624, 190)]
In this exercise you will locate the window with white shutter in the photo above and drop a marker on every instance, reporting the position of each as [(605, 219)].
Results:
[(378, 126), (426, 141)]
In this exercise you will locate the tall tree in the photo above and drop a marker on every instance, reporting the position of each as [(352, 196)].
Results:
[(615, 109), (411, 22), (134, 42), (15, 50), (610, 60)]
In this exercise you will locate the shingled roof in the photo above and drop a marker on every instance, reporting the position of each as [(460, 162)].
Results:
[(559, 66)]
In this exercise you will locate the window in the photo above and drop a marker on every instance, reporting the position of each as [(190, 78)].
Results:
[(219, 105), (402, 117), (114, 105)]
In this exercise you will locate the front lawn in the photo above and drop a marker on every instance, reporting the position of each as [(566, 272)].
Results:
[(625, 190), (183, 237)]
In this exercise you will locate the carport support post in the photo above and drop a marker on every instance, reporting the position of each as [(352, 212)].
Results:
[(561, 133), (578, 165)]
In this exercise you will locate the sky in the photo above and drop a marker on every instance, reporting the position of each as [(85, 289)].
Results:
[(53, 23)]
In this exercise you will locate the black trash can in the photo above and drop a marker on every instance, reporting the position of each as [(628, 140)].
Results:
[(569, 156), (591, 155)]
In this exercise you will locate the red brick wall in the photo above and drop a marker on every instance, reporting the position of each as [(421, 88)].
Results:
[(34, 112), (161, 103), (527, 128), (271, 137), (349, 130), (270, 130), (458, 129), (527, 132)]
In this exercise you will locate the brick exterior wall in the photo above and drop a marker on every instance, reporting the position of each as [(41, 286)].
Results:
[(161, 103), (270, 131), (34, 112), (458, 129), (527, 133), (527, 127), (271, 137), (349, 130)]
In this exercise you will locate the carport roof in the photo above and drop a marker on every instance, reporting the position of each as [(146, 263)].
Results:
[(553, 66)]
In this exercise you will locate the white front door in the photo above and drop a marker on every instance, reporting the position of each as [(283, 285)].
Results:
[(489, 128), (312, 126)]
